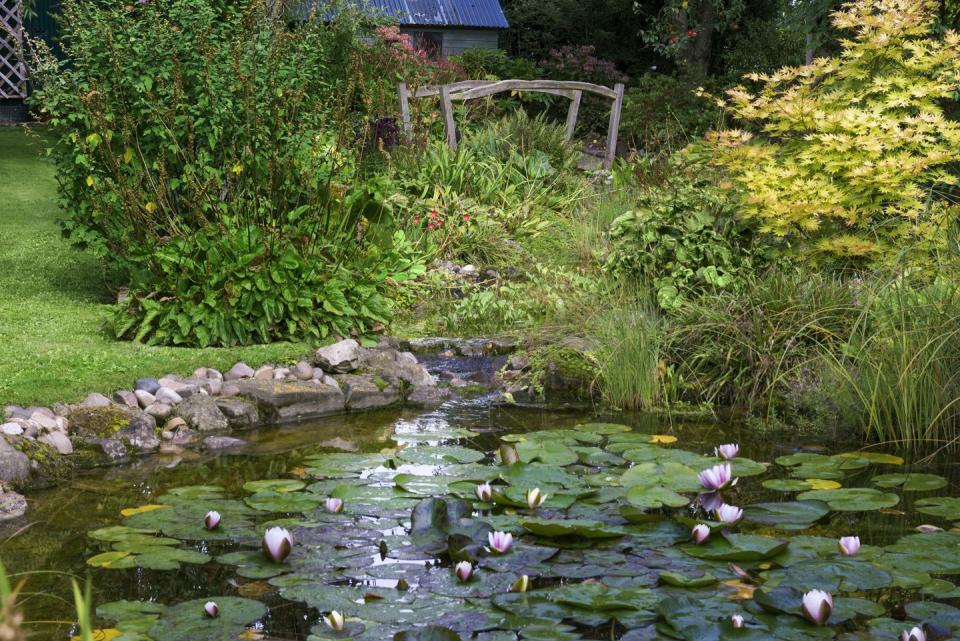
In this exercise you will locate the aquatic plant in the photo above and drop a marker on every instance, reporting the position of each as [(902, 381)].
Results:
[(700, 533), (817, 606), (334, 620), (718, 477), (463, 570), (736, 621), (484, 492), (726, 451), (535, 498), (211, 609), (333, 505), (914, 634), (277, 544), (500, 542), (849, 545), (729, 514), (211, 520)]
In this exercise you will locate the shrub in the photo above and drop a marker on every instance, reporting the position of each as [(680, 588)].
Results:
[(581, 64), (849, 154), (664, 114), (478, 64), (630, 340)]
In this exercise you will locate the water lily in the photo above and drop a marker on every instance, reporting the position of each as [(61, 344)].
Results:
[(535, 498), (736, 621), (521, 585), (277, 544), (211, 609), (500, 542), (710, 501), (333, 505), (212, 520), (485, 492), (463, 570), (729, 513), (700, 533), (817, 606), (916, 634), (849, 545), (334, 620), (718, 477), (727, 450)]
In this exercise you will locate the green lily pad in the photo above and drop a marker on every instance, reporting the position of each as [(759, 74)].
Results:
[(188, 622), (852, 499), (285, 501), (786, 485), (439, 455), (792, 515), (273, 485), (548, 452), (914, 482), (570, 527), (946, 507), (738, 547)]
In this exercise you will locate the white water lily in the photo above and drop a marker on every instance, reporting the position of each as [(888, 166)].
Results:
[(727, 450), (849, 545), (485, 492), (521, 585), (736, 621), (535, 498), (463, 570), (211, 520), (817, 606), (500, 542), (700, 533), (729, 513), (333, 505), (277, 544), (334, 620), (916, 634), (718, 477), (211, 609)]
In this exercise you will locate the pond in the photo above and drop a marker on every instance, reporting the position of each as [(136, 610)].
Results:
[(608, 553)]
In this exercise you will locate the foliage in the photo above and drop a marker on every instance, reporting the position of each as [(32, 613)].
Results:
[(849, 154), (517, 134), (629, 355), (663, 114), (494, 64)]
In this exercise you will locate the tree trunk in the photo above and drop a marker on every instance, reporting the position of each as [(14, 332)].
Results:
[(701, 45)]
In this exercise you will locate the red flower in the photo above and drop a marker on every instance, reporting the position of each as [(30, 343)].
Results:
[(434, 213), (691, 33), (466, 218), (430, 226), (673, 40), (440, 223), (416, 219)]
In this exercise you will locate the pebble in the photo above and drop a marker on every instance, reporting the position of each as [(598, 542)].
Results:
[(303, 371)]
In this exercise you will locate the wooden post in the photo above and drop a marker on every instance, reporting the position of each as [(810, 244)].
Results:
[(572, 114), (446, 106), (614, 126), (405, 111)]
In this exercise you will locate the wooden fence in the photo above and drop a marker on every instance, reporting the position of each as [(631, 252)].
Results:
[(472, 89), (13, 73)]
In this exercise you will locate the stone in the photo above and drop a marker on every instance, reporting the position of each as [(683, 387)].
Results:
[(220, 443), (174, 423), (281, 373), (183, 436), (126, 397), (519, 362), (12, 505), (15, 411), (61, 409), (170, 449), (95, 400), (141, 433), (212, 386), (303, 371), (148, 385), (407, 358), (145, 398), (265, 372), (99, 422), (159, 410), (385, 364), (214, 374), (429, 396), (363, 393), (42, 411), (202, 414), (11, 429), (239, 413), (239, 371), (340, 357), (168, 396), (331, 381), (184, 388), (229, 389), (58, 441), (44, 421), (63, 424), (14, 464), (288, 401), (468, 271), (112, 448)]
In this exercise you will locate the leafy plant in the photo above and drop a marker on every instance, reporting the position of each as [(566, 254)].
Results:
[(662, 114)]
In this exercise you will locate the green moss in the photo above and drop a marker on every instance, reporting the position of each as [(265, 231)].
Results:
[(474, 389), (102, 422), (53, 467), (381, 383)]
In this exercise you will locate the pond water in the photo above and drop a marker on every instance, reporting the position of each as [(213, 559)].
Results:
[(608, 553)]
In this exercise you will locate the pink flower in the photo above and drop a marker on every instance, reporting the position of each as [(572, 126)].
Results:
[(211, 609), (736, 621), (277, 544), (817, 606), (849, 545), (484, 492), (718, 477), (700, 533), (916, 634), (500, 542), (729, 513), (463, 570), (333, 505), (727, 450), (212, 520)]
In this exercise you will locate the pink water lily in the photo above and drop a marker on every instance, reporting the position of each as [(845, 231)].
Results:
[(710, 501), (211, 609), (727, 450), (334, 621), (718, 477), (916, 634), (211, 520), (333, 505), (463, 570), (817, 606), (729, 513), (736, 621), (535, 498), (700, 533), (500, 542), (849, 545), (485, 492), (277, 544)]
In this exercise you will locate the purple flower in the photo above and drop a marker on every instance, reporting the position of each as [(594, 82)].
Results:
[(718, 477), (211, 609), (729, 513), (463, 570), (212, 520), (500, 542), (849, 545), (484, 492), (333, 505), (916, 634), (700, 533), (736, 621), (727, 450), (277, 544)]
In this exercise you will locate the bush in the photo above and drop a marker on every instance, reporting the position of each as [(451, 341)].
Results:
[(581, 64), (495, 64), (662, 114)]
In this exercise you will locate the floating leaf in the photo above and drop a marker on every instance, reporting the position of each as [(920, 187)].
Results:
[(738, 547), (855, 499), (663, 439), (792, 515), (188, 622), (823, 484), (946, 507), (914, 482), (130, 511), (273, 485), (570, 527), (880, 458)]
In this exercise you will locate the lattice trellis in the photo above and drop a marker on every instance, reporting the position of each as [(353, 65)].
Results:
[(13, 73)]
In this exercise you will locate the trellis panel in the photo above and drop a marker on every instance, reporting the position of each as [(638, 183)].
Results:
[(13, 73)]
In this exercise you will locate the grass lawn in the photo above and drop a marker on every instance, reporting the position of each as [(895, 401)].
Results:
[(53, 301)]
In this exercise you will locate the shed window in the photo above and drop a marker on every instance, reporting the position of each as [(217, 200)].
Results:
[(429, 41)]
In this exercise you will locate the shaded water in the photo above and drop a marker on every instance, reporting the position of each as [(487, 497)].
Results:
[(53, 535)]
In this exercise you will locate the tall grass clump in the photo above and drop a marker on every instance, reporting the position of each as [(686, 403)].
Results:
[(11, 618), (629, 355)]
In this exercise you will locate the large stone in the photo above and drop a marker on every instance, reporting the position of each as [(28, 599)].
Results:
[(112, 448), (288, 401), (126, 397), (14, 464), (168, 396), (95, 400), (99, 422), (11, 429), (159, 410), (239, 371), (387, 364), (240, 413), (141, 433), (145, 398), (220, 443), (340, 357), (429, 396), (264, 372), (58, 441), (148, 385), (202, 414), (303, 371), (12, 505), (365, 392)]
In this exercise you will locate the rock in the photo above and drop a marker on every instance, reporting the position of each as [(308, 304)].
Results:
[(239, 371), (112, 448), (429, 396), (519, 362), (229, 389), (168, 396), (11, 429), (141, 433), (159, 410), (14, 464), (459, 383), (174, 423), (201, 413), (58, 441), (337, 443), (220, 443), (184, 388), (340, 357), (211, 386), (145, 398), (61, 409), (386, 364), (214, 374), (42, 411), (95, 400), (239, 413), (12, 505), (200, 372), (265, 372), (281, 373), (148, 385), (331, 381), (469, 271), (363, 393), (15, 411), (43, 420), (63, 424), (169, 449), (287, 401), (183, 436), (126, 397), (407, 358), (99, 422), (303, 371), (170, 380)]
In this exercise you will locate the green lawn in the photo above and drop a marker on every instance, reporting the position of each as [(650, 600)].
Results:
[(53, 301)]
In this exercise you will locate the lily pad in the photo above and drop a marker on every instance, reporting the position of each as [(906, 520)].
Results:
[(273, 485), (188, 622), (738, 547), (914, 482), (946, 507), (792, 515), (853, 499), (570, 527)]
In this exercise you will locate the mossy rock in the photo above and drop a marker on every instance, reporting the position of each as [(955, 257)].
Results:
[(99, 422), (52, 467)]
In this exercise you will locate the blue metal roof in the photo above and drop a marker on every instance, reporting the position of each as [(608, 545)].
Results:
[(441, 13)]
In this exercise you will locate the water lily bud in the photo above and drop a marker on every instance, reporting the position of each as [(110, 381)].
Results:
[(736, 621), (485, 492), (700, 533), (535, 498), (463, 570), (817, 606), (500, 542), (521, 585), (333, 505), (402, 584), (211, 609), (727, 450), (916, 634), (277, 544), (729, 513), (508, 454), (334, 620), (212, 520), (718, 477), (849, 545)]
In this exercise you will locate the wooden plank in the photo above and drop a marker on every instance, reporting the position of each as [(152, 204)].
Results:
[(614, 127), (446, 106), (572, 113), (535, 85), (405, 110), (434, 90), (566, 93)]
